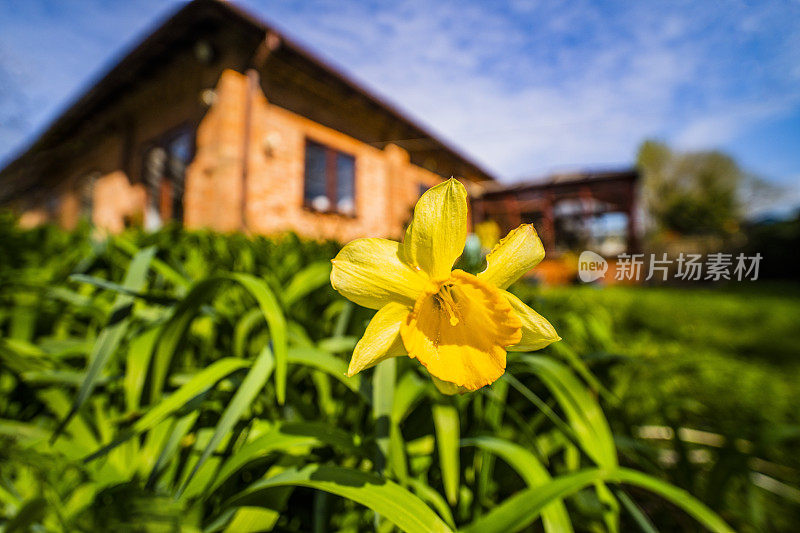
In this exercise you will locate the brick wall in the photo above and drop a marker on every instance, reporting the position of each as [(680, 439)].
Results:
[(387, 185), (212, 198)]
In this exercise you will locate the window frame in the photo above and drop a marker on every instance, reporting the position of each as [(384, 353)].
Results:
[(331, 178), (163, 141)]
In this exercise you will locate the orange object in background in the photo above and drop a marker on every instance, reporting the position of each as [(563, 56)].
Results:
[(563, 270), (558, 271)]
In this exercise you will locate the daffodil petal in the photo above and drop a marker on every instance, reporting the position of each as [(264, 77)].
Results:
[(537, 332), (513, 256), (460, 332), (437, 233), (381, 340), (370, 273)]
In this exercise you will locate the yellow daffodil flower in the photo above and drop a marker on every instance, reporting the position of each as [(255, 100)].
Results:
[(488, 233), (456, 324)]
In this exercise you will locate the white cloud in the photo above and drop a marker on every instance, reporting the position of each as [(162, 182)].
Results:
[(714, 129), (536, 86), (524, 87)]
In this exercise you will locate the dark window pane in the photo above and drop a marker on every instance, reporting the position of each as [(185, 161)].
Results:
[(51, 204), (87, 195), (315, 193), (154, 166), (181, 147), (345, 184), (180, 155), (164, 174)]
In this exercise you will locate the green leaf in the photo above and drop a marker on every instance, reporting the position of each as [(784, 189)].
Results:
[(83, 439), (174, 330), (520, 510), (429, 495), (80, 499), (677, 496), (493, 417), (408, 392), (140, 352), (386, 498), (245, 394), (563, 429), (338, 344), (637, 514), (554, 515), (344, 318), (21, 356), (306, 281), (180, 428), (190, 306), (122, 289), (566, 352), (329, 364), (252, 520), (31, 513), (245, 325), (383, 379), (20, 431), (588, 424), (397, 453), (23, 317), (287, 438), (166, 271), (200, 382), (277, 327), (109, 339), (58, 377), (446, 422), (582, 410)]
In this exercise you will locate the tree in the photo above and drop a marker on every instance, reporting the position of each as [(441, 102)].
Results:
[(691, 193)]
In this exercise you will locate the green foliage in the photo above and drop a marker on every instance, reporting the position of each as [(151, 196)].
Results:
[(187, 381), (778, 242), (693, 193), (702, 389)]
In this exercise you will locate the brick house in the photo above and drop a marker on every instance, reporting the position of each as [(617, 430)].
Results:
[(215, 120)]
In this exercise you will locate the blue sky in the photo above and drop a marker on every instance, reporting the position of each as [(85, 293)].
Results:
[(524, 87)]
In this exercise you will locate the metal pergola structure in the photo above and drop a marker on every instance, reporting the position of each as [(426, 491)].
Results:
[(563, 202)]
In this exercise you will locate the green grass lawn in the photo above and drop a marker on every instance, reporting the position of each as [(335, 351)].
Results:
[(727, 355), (724, 361)]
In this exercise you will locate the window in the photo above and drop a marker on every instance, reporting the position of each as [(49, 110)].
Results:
[(87, 195), (51, 204), (329, 180), (164, 171)]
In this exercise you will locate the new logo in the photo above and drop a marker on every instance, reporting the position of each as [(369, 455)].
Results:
[(591, 266)]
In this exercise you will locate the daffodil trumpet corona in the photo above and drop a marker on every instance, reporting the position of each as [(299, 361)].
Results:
[(458, 325)]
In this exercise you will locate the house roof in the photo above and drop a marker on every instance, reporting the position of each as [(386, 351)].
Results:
[(410, 135), (566, 179)]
